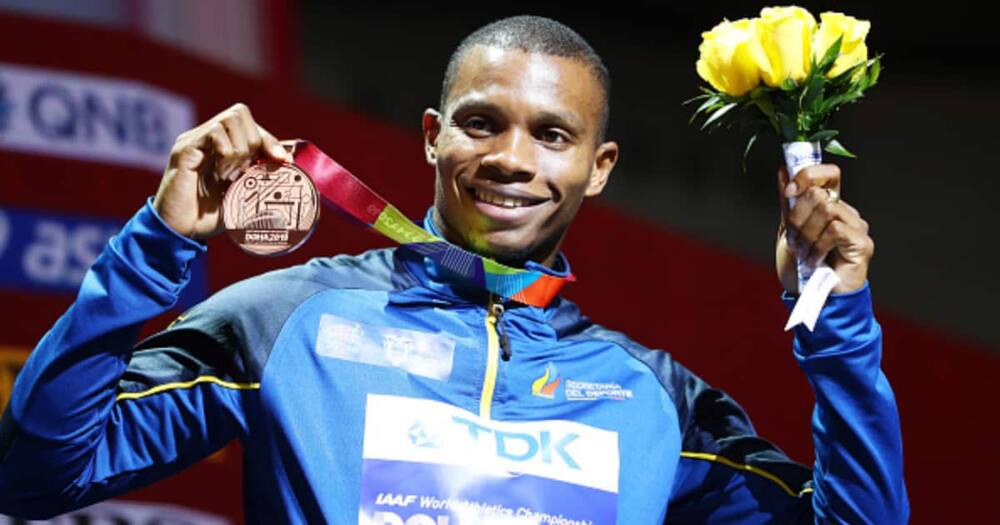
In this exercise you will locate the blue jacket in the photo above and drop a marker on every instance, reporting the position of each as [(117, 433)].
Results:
[(377, 388)]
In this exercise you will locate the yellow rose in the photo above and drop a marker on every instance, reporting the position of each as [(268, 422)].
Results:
[(852, 48), (730, 54), (785, 34)]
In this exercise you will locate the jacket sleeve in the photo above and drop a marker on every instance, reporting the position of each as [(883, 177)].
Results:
[(728, 474), (92, 414)]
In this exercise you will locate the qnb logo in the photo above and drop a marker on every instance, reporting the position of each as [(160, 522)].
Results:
[(541, 446), (60, 113)]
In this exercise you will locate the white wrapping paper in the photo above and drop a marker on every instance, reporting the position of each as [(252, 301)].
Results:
[(815, 282)]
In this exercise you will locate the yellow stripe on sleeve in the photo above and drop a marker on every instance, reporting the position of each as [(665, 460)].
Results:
[(187, 384), (748, 468)]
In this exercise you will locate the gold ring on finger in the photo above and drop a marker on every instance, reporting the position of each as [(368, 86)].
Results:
[(832, 195)]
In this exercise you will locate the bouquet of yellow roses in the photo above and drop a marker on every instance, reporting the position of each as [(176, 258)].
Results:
[(783, 71)]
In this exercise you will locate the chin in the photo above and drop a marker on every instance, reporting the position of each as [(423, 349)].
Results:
[(501, 249)]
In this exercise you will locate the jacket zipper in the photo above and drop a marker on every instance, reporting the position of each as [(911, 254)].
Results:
[(497, 344)]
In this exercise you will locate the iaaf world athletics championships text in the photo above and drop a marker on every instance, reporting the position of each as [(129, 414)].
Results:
[(480, 510)]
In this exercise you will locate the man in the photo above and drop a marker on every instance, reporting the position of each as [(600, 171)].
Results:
[(385, 388)]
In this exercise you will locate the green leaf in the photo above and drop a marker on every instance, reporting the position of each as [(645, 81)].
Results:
[(823, 135), (831, 103), (813, 89), (845, 76), (788, 85), (801, 123), (746, 151), (713, 108), (692, 99), (873, 72), (830, 56), (718, 114), (713, 100), (788, 128), (762, 99), (837, 148)]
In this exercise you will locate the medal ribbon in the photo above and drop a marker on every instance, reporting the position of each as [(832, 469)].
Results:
[(343, 191)]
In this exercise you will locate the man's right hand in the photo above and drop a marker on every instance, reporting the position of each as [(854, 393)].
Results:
[(203, 162)]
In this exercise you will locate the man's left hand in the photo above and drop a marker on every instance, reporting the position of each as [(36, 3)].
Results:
[(830, 231)]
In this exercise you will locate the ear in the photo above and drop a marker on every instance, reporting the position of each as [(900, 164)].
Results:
[(604, 160), (432, 127)]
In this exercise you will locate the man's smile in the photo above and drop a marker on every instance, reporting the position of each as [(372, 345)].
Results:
[(499, 199), (504, 204)]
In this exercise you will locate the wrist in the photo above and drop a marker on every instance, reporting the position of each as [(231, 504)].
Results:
[(850, 283), (844, 317)]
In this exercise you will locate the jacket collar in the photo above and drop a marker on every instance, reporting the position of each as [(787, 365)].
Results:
[(438, 285)]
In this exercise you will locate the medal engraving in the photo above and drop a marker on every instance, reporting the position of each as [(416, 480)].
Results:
[(271, 209)]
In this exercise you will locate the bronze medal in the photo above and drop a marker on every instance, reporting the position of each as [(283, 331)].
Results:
[(271, 209)]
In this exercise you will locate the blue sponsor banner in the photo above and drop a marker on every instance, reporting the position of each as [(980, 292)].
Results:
[(51, 252)]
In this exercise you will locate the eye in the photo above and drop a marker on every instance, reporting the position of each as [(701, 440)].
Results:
[(551, 135), (477, 123)]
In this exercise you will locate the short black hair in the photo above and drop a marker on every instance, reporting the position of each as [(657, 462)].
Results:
[(534, 34)]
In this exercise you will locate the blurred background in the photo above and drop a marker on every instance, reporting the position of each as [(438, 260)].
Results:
[(678, 252)]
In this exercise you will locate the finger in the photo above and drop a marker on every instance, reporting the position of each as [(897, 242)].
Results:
[(822, 175), (802, 218), (272, 146), (237, 137), (244, 153), (823, 213), (188, 158), (222, 150), (831, 235), (250, 130), (837, 234)]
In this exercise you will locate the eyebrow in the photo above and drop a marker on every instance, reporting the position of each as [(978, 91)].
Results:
[(562, 118)]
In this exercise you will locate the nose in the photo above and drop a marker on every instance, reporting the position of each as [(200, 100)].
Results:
[(512, 154)]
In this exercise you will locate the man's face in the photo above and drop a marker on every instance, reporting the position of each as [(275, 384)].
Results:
[(516, 152)]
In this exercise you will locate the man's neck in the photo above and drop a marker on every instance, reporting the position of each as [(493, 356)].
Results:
[(545, 257)]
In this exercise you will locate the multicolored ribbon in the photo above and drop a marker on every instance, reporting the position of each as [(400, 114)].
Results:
[(342, 190)]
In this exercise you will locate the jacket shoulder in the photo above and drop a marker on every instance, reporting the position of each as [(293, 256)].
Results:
[(279, 291), (670, 374), (231, 333), (693, 398), (719, 447)]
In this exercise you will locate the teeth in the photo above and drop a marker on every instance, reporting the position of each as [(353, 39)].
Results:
[(500, 200)]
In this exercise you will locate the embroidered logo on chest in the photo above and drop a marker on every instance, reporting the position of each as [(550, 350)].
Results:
[(547, 385)]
